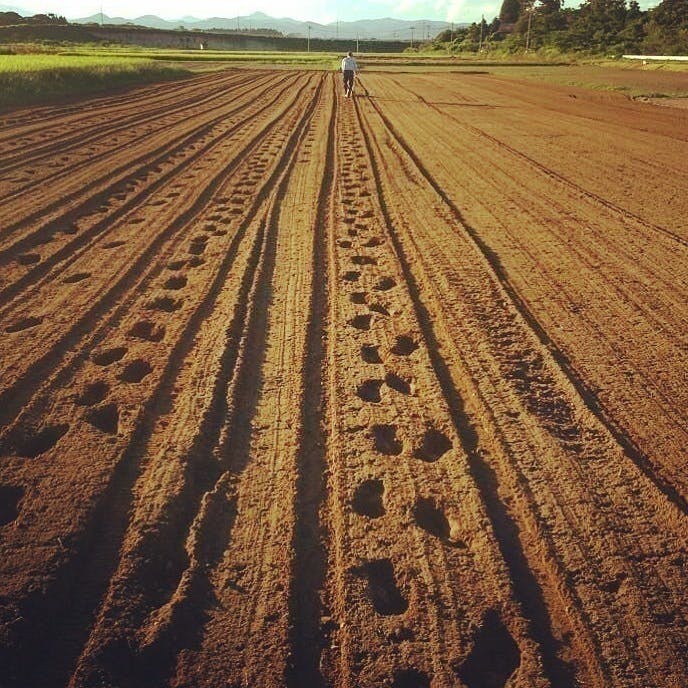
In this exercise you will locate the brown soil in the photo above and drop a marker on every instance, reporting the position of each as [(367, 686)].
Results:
[(305, 391)]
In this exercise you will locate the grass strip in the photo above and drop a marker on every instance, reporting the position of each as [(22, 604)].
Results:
[(33, 79)]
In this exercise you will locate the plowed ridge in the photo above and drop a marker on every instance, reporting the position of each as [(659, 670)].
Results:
[(300, 390)]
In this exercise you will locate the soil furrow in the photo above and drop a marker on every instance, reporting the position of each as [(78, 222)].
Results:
[(110, 188), (401, 566), (172, 609), (307, 635), (585, 391), (148, 334), (305, 390), (88, 220), (250, 582), (584, 442), (195, 103), (527, 589), (55, 122), (21, 385)]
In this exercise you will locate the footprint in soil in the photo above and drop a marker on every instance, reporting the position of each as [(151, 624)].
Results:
[(176, 265), (363, 260), (369, 353), (344, 243), (361, 322), (385, 440), (358, 297), (145, 329), (431, 518), (404, 346), (93, 393), (367, 499), (352, 232), (77, 277), (383, 592), (104, 418), (494, 658), (30, 445), (370, 391), (10, 498), (165, 303), (385, 284), (29, 259), (114, 244), (135, 371), (198, 245), (109, 356), (378, 308), (398, 384), (373, 241), (196, 261), (435, 444), (176, 282), (23, 324), (410, 678)]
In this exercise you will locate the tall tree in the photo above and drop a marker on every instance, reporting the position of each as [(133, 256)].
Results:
[(671, 14), (511, 9)]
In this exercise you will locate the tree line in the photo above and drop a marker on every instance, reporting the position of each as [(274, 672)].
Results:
[(595, 27), (14, 19)]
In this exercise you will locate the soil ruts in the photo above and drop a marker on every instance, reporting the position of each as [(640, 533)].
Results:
[(300, 390)]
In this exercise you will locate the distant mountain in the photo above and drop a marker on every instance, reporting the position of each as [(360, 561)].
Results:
[(381, 29), (95, 19), (389, 29)]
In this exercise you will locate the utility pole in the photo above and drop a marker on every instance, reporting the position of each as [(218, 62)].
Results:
[(530, 20), (413, 27), (101, 14), (482, 23), (309, 38), (237, 23), (357, 50), (452, 32)]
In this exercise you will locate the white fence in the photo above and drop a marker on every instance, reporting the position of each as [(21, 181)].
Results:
[(669, 58)]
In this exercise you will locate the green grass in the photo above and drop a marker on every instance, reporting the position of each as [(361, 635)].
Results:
[(46, 73), (43, 78), (300, 59)]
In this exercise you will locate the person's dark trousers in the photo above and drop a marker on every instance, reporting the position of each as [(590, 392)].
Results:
[(348, 80)]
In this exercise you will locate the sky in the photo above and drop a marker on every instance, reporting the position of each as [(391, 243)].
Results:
[(308, 10), (321, 11)]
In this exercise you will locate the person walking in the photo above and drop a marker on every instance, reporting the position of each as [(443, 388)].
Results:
[(349, 70)]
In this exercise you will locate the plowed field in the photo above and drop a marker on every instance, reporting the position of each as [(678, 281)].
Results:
[(300, 390)]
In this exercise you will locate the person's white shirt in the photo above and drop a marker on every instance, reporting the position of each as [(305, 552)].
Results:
[(349, 64)]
